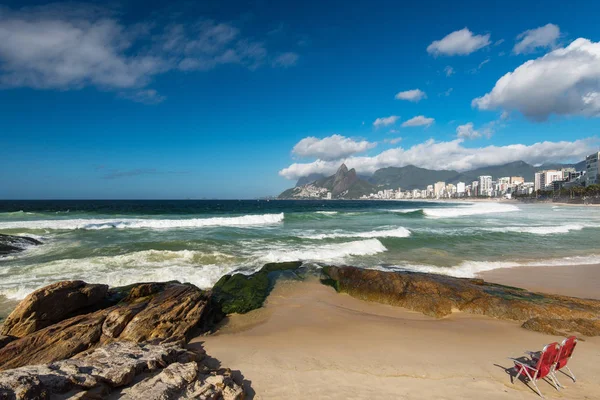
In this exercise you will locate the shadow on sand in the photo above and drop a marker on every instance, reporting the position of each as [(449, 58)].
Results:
[(215, 364)]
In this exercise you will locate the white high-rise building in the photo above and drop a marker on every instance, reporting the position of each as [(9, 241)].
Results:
[(475, 188), (592, 168), (460, 188), (485, 185), (544, 179), (438, 188)]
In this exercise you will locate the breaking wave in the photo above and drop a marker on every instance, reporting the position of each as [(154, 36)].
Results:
[(538, 230), (472, 209), (396, 232), (138, 223), (325, 253), (470, 269)]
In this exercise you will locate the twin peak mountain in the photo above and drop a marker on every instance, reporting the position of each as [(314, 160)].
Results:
[(347, 184)]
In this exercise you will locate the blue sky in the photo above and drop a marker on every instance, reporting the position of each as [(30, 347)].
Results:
[(228, 99)]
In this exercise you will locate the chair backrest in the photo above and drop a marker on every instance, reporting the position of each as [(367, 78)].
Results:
[(547, 359), (566, 351)]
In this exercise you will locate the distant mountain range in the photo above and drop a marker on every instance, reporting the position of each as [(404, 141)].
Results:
[(346, 184)]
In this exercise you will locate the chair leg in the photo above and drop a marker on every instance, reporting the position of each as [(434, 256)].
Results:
[(518, 374), (553, 379), (570, 372), (537, 388), (556, 379)]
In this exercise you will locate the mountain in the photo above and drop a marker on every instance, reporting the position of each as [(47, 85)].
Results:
[(344, 184), (305, 180), (408, 177), (347, 184), (517, 168)]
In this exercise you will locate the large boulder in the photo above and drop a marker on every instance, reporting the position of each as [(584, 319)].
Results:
[(440, 295), (148, 311), (52, 304), (241, 293), (124, 370), (14, 244)]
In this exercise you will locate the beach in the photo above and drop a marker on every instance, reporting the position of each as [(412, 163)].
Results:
[(311, 342)]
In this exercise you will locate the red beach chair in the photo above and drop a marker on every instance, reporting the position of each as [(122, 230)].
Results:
[(566, 352), (540, 368)]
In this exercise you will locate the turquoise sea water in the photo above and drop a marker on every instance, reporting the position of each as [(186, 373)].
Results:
[(121, 242)]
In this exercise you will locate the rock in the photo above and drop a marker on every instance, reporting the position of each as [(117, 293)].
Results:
[(13, 244), (123, 370), (438, 295), (5, 339), (241, 293), (52, 304), (162, 311)]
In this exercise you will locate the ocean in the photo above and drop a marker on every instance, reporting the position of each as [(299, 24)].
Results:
[(122, 242)]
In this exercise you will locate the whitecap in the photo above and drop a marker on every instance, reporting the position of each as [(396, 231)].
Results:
[(324, 253), (473, 209), (139, 223), (399, 232)]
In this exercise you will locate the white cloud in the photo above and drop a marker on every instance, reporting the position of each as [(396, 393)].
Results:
[(71, 46), (467, 131), (449, 71), (452, 155), (393, 141), (446, 93), (414, 95), (332, 147), (419, 120), (532, 39), (460, 42), (286, 60), (385, 121), (565, 81)]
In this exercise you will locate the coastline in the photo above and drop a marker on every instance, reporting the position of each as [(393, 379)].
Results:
[(309, 341)]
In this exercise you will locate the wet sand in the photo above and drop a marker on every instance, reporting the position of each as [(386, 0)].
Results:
[(572, 280), (310, 342)]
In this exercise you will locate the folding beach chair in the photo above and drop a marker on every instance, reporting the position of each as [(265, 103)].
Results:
[(566, 352), (540, 368)]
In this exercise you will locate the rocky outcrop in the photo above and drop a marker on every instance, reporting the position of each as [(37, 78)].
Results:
[(142, 312), (440, 295), (240, 293), (13, 244), (52, 304), (124, 370)]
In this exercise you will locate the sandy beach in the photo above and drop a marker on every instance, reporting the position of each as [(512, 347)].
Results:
[(311, 342)]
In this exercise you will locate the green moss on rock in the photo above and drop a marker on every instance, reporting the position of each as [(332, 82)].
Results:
[(241, 293)]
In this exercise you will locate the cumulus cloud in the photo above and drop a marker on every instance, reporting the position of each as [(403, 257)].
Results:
[(68, 46), (532, 39), (565, 81), (414, 95), (451, 155), (462, 42), (330, 148), (449, 71), (467, 131), (385, 121), (419, 120)]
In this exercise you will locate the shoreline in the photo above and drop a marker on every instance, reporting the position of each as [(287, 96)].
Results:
[(308, 341)]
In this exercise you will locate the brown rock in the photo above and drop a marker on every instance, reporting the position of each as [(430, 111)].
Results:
[(152, 371), (52, 304), (161, 311), (439, 295), (4, 340)]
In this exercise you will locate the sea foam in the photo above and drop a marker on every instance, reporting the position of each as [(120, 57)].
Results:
[(470, 269), (472, 209), (399, 232), (325, 253), (139, 223)]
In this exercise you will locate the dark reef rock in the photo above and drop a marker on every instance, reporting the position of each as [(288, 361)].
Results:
[(241, 293), (13, 244), (124, 370), (438, 295), (66, 318)]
